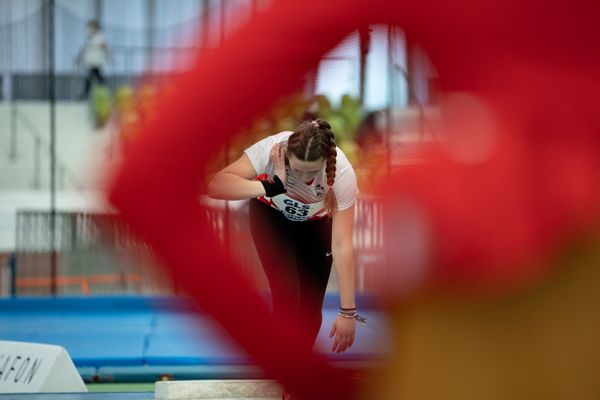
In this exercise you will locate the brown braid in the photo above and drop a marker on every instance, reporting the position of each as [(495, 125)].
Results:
[(314, 140), (329, 148)]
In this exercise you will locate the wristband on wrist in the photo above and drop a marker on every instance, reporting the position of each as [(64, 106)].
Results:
[(349, 316), (353, 315), (273, 187)]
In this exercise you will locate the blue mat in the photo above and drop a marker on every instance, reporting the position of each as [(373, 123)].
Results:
[(143, 334)]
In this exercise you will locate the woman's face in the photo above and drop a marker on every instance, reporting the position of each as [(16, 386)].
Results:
[(305, 170)]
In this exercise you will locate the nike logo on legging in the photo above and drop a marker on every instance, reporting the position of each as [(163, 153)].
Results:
[(327, 254)]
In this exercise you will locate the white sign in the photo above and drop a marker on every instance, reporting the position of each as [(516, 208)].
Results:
[(37, 368)]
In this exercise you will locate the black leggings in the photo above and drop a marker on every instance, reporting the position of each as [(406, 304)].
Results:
[(94, 74), (296, 257)]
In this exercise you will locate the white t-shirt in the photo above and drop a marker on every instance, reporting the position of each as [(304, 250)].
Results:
[(94, 52), (305, 201)]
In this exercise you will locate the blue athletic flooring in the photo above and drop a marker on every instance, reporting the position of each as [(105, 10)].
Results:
[(116, 339)]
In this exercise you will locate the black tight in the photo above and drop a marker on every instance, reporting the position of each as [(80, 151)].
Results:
[(94, 74), (296, 259)]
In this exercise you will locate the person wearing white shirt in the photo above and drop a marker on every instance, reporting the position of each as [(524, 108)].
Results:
[(93, 55), (303, 191)]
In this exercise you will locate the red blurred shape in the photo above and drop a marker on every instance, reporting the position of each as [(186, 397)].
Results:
[(534, 64)]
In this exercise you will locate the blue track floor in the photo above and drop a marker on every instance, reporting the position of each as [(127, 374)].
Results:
[(118, 339)]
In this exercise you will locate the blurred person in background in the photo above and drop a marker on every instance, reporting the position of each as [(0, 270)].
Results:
[(92, 56)]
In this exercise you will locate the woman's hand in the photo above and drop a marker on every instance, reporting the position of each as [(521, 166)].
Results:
[(344, 330), (278, 159)]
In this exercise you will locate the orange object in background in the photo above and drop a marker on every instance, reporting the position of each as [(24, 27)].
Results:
[(82, 281)]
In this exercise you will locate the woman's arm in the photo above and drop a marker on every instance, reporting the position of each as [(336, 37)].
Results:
[(343, 255), (343, 261), (235, 182)]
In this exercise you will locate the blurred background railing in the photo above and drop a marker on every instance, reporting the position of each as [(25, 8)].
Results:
[(96, 255)]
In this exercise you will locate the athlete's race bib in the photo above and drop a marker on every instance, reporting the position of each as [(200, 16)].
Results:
[(296, 210)]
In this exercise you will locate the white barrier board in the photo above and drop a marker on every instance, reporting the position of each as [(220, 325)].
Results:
[(217, 389), (37, 368)]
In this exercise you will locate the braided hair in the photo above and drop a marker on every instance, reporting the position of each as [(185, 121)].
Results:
[(314, 140)]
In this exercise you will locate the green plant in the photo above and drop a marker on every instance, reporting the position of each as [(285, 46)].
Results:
[(101, 104)]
